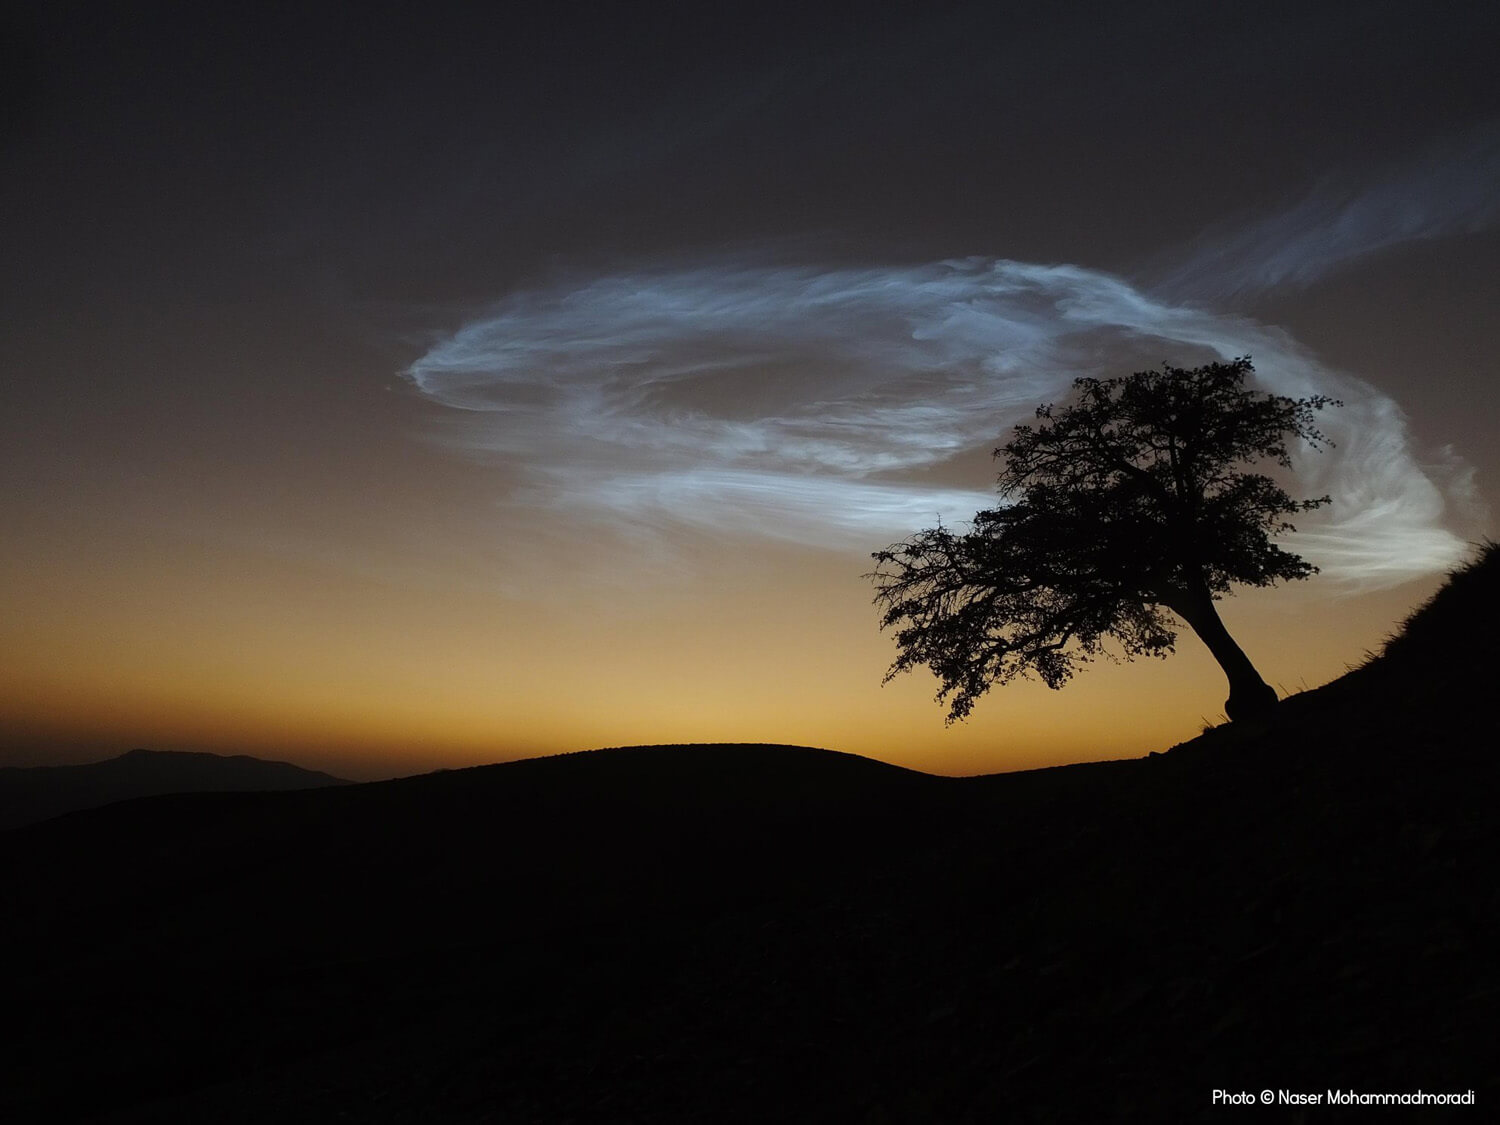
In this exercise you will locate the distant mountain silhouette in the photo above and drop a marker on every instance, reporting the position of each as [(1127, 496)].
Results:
[(753, 933), (30, 794)]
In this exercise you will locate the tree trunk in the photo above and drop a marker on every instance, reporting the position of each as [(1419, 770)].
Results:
[(1249, 695)]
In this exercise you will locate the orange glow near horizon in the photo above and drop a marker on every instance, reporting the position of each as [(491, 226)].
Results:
[(430, 397), (219, 649)]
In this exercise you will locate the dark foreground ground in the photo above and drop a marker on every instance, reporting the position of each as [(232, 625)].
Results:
[(747, 933)]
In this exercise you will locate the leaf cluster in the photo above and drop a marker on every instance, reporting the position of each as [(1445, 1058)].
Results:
[(1138, 496)]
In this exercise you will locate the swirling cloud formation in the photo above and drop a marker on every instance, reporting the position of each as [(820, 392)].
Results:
[(827, 405)]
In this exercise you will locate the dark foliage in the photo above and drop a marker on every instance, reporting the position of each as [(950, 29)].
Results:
[(1135, 499)]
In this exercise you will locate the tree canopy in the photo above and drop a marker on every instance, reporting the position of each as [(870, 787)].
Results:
[(1134, 501)]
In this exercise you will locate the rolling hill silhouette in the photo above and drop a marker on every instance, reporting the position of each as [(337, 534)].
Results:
[(30, 794), (752, 933)]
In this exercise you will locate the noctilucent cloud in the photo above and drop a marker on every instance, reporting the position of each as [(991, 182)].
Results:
[(1451, 190), (821, 403)]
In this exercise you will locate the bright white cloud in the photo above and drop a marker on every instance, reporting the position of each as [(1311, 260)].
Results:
[(820, 405)]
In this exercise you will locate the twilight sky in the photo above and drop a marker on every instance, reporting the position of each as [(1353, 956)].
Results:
[(407, 387)]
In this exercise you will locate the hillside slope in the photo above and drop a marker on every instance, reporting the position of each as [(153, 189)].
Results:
[(771, 933), (31, 794)]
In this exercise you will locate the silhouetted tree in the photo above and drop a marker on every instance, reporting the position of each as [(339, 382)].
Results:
[(1130, 501)]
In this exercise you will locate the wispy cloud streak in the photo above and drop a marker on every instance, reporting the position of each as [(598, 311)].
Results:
[(1454, 188), (823, 405)]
